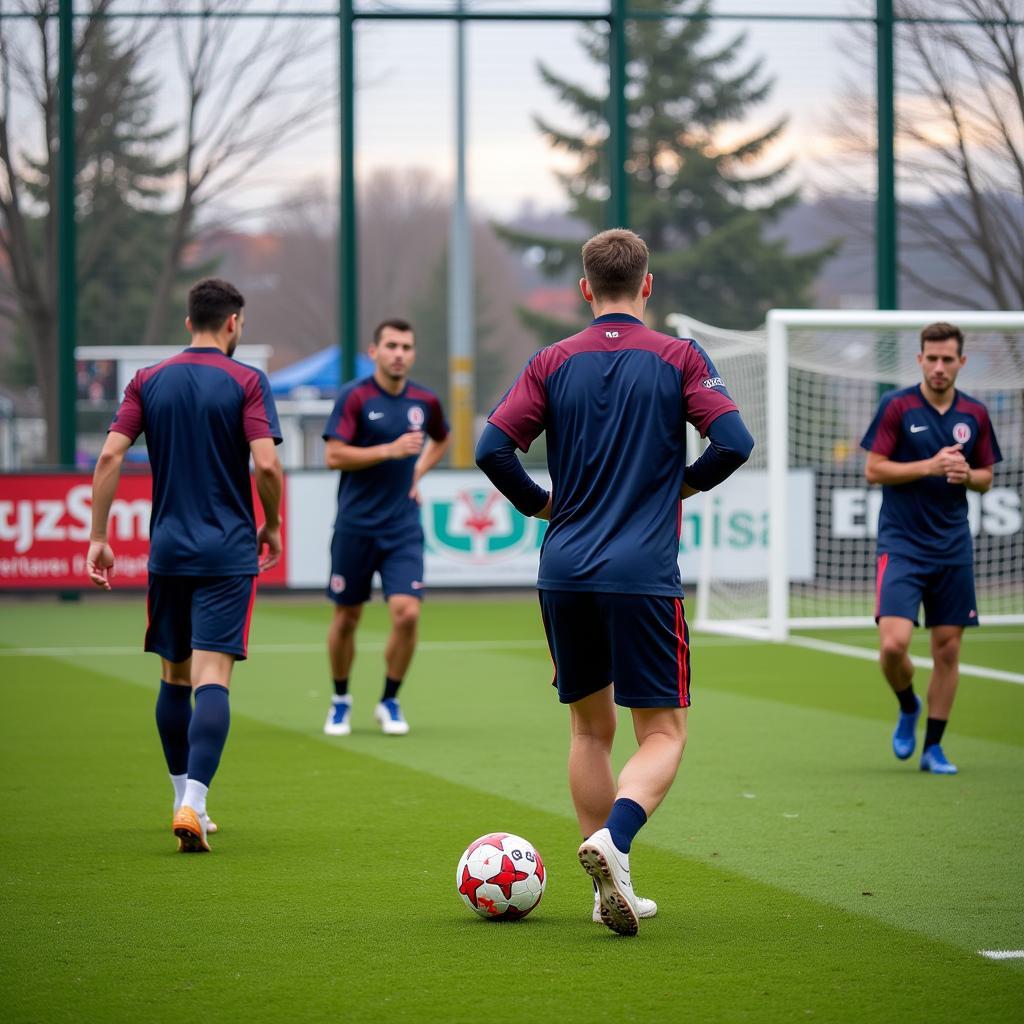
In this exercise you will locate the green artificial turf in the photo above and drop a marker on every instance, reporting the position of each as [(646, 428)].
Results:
[(801, 872)]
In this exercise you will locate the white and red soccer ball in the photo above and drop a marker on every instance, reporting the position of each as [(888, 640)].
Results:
[(501, 876)]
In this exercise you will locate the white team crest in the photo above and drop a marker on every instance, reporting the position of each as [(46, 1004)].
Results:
[(962, 433), (415, 416), (337, 584)]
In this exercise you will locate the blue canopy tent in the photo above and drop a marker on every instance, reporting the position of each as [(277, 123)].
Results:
[(320, 371)]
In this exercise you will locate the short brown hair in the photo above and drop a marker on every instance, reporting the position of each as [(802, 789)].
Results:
[(211, 301), (942, 331), (615, 264), (396, 323)]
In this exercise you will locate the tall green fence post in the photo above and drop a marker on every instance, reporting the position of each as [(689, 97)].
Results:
[(618, 124), (348, 239), (67, 283)]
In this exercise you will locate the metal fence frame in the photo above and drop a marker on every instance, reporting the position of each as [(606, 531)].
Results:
[(616, 16)]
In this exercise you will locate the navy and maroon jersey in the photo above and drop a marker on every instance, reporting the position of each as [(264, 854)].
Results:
[(613, 402), (927, 518), (199, 410), (376, 500)]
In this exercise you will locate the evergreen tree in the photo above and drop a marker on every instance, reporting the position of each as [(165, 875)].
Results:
[(704, 215)]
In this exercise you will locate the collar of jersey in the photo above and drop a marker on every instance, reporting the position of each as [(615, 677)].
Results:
[(616, 318), (387, 394), (205, 349)]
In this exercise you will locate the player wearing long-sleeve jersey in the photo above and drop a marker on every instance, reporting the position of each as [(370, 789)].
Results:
[(613, 402)]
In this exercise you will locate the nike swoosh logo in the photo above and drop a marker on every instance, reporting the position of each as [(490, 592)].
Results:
[(379, 415), (914, 429)]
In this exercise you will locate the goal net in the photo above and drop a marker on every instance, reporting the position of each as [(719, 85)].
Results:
[(788, 542)]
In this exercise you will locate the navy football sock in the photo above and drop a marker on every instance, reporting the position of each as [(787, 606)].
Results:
[(626, 819), (173, 714), (341, 687), (391, 688), (208, 732)]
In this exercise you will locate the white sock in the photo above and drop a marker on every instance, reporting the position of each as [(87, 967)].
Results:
[(178, 781), (347, 699), (195, 796)]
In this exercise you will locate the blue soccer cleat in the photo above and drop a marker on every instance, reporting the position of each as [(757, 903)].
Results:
[(339, 717), (903, 738), (934, 760)]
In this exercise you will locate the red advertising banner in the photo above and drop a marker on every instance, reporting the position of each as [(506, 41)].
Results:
[(44, 532)]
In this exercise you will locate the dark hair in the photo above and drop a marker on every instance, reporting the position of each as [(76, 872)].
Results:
[(615, 264), (211, 301), (396, 323), (943, 332)]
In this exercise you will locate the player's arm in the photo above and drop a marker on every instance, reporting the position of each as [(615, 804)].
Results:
[(353, 457), (730, 446), (432, 454), (978, 479), (99, 562), (496, 456), (269, 486), (949, 462)]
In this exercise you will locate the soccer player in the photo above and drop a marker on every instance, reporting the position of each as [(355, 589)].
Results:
[(384, 433), (203, 415), (614, 401), (927, 446)]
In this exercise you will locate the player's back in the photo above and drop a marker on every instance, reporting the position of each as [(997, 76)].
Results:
[(199, 410), (616, 399)]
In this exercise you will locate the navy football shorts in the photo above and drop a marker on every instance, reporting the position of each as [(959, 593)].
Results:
[(354, 560), (199, 613), (947, 591), (638, 642)]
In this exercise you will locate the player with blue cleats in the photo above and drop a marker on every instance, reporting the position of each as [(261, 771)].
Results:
[(903, 740), (928, 446), (934, 760)]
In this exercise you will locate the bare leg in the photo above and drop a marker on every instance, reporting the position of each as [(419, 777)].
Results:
[(946, 673), (592, 726), (648, 774), (341, 638), (211, 667), (894, 636), (401, 645), (177, 673)]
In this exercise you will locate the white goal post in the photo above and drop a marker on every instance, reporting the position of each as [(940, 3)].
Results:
[(808, 384)]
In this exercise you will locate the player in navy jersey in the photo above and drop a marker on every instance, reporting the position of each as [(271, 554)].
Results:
[(613, 402), (203, 415), (927, 446), (384, 433)]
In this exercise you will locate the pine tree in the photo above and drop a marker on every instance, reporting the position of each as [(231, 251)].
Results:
[(693, 199)]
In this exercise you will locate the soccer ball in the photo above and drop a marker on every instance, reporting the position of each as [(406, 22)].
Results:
[(501, 876)]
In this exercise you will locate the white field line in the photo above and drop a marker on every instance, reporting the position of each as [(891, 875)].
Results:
[(866, 654), (1003, 954), (310, 648)]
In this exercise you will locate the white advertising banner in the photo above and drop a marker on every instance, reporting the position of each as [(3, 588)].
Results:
[(474, 538)]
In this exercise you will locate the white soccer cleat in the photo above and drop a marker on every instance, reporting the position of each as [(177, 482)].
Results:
[(644, 908), (389, 714), (609, 868), (339, 717)]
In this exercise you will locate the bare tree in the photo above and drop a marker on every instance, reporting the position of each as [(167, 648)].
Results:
[(29, 158), (960, 146), (251, 89), (249, 93)]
